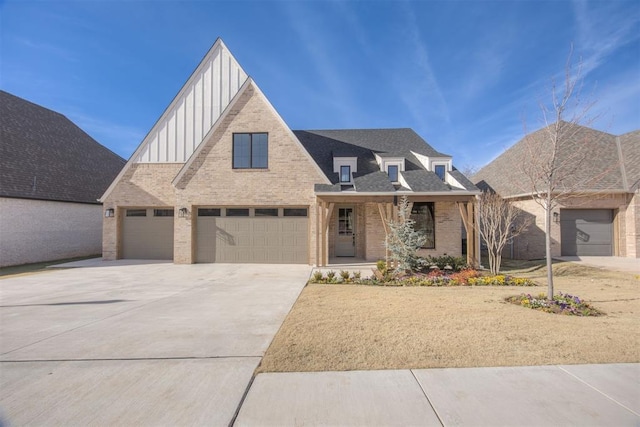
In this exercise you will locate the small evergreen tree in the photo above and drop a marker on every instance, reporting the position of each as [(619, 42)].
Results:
[(403, 240)]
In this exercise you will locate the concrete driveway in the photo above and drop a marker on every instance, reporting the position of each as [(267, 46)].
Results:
[(143, 344)]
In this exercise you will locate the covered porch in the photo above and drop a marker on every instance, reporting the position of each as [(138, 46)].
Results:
[(352, 229)]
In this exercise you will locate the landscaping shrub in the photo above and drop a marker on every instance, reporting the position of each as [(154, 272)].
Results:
[(444, 262), (317, 277), (561, 304)]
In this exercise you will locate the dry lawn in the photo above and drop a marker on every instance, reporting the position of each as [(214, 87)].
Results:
[(351, 327)]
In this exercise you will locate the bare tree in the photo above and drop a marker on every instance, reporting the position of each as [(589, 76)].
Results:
[(554, 166), (500, 222), (469, 170)]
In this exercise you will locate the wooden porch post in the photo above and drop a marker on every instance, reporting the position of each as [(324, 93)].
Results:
[(327, 210), (467, 213)]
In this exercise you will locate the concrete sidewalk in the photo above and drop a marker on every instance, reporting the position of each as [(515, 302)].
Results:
[(568, 395)]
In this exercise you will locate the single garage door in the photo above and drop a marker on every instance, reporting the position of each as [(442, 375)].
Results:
[(147, 234), (586, 232), (252, 235)]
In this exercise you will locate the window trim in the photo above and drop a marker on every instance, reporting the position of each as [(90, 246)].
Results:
[(397, 173), (348, 173), (233, 151), (432, 210)]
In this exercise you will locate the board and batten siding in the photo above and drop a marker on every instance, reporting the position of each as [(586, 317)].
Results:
[(195, 109)]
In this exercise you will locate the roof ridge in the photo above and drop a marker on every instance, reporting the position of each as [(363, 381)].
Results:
[(41, 107)]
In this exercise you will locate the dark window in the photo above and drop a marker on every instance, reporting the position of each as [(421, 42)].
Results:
[(423, 215), (208, 212), (237, 211), (440, 170), (250, 150), (295, 211), (345, 173), (163, 212), (266, 212), (393, 173), (136, 212)]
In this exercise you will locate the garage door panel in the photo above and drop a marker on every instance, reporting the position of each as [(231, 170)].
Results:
[(147, 237), (252, 240), (586, 232)]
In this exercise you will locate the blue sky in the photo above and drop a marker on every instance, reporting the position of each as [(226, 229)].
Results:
[(465, 75)]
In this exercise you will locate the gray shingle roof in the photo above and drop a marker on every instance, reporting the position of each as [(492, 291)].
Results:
[(324, 145), (43, 155), (596, 152), (630, 147), (422, 180)]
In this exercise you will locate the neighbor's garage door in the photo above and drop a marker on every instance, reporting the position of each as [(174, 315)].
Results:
[(586, 232), (252, 235), (147, 234)]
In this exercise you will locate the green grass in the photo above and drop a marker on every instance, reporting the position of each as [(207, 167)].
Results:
[(37, 267)]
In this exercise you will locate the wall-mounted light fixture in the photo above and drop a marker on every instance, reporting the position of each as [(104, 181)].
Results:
[(556, 217), (182, 212), (109, 213)]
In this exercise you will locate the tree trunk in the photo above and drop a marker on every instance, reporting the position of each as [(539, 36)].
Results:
[(547, 232)]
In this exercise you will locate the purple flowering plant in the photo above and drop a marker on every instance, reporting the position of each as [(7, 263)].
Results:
[(566, 304)]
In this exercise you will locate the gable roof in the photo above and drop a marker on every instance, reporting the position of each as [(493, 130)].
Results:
[(45, 156), (365, 144), (192, 113), (602, 163), (249, 84)]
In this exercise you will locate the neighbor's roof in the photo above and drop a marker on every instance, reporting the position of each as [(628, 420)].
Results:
[(603, 159), (43, 155), (324, 145), (630, 149)]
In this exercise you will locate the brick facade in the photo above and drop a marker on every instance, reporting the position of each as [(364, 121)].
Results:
[(370, 235), (531, 245), (210, 179), (44, 230)]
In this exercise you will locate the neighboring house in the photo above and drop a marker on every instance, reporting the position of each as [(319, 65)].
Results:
[(51, 176), (221, 178), (602, 215)]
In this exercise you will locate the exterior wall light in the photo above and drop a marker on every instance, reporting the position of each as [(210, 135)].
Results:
[(182, 212), (556, 217), (109, 213)]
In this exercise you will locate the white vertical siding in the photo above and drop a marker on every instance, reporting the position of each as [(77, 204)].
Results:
[(195, 109)]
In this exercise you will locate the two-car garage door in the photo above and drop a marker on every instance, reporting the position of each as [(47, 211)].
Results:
[(269, 235), (586, 232), (252, 235)]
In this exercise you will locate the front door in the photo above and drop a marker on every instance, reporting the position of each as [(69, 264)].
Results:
[(346, 238)]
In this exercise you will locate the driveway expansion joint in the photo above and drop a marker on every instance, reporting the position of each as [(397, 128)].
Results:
[(598, 390), (433, 408)]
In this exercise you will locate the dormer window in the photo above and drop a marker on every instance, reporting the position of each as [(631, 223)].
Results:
[(345, 173), (345, 167), (392, 171), (440, 170)]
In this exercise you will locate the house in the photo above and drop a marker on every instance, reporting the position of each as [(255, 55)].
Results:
[(602, 215), (221, 178), (51, 176)]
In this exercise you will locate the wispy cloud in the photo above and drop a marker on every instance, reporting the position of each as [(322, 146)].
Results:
[(601, 30), (48, 48), (336, 90), (123, 140), (417, 82)]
